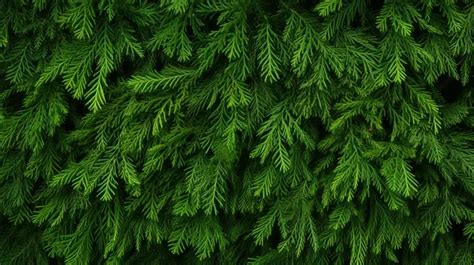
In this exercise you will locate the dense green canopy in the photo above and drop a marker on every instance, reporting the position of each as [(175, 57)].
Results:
[(237, 131)]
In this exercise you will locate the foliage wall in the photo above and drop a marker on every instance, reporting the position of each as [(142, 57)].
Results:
[(236, 132)]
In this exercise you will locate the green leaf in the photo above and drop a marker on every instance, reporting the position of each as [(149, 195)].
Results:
[(399, 176), (170, 77)]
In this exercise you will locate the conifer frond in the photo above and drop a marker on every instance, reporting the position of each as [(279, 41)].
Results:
[(173, 39), (269, 45), (399, 178), (167, 78), (81, 18), (176, 6), (469, 230), (340, 216), (326, 7)]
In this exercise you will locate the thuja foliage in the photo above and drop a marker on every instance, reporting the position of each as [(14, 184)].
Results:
[(236, 132)]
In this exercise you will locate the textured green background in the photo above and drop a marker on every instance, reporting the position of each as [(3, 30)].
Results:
[(236, 131)]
